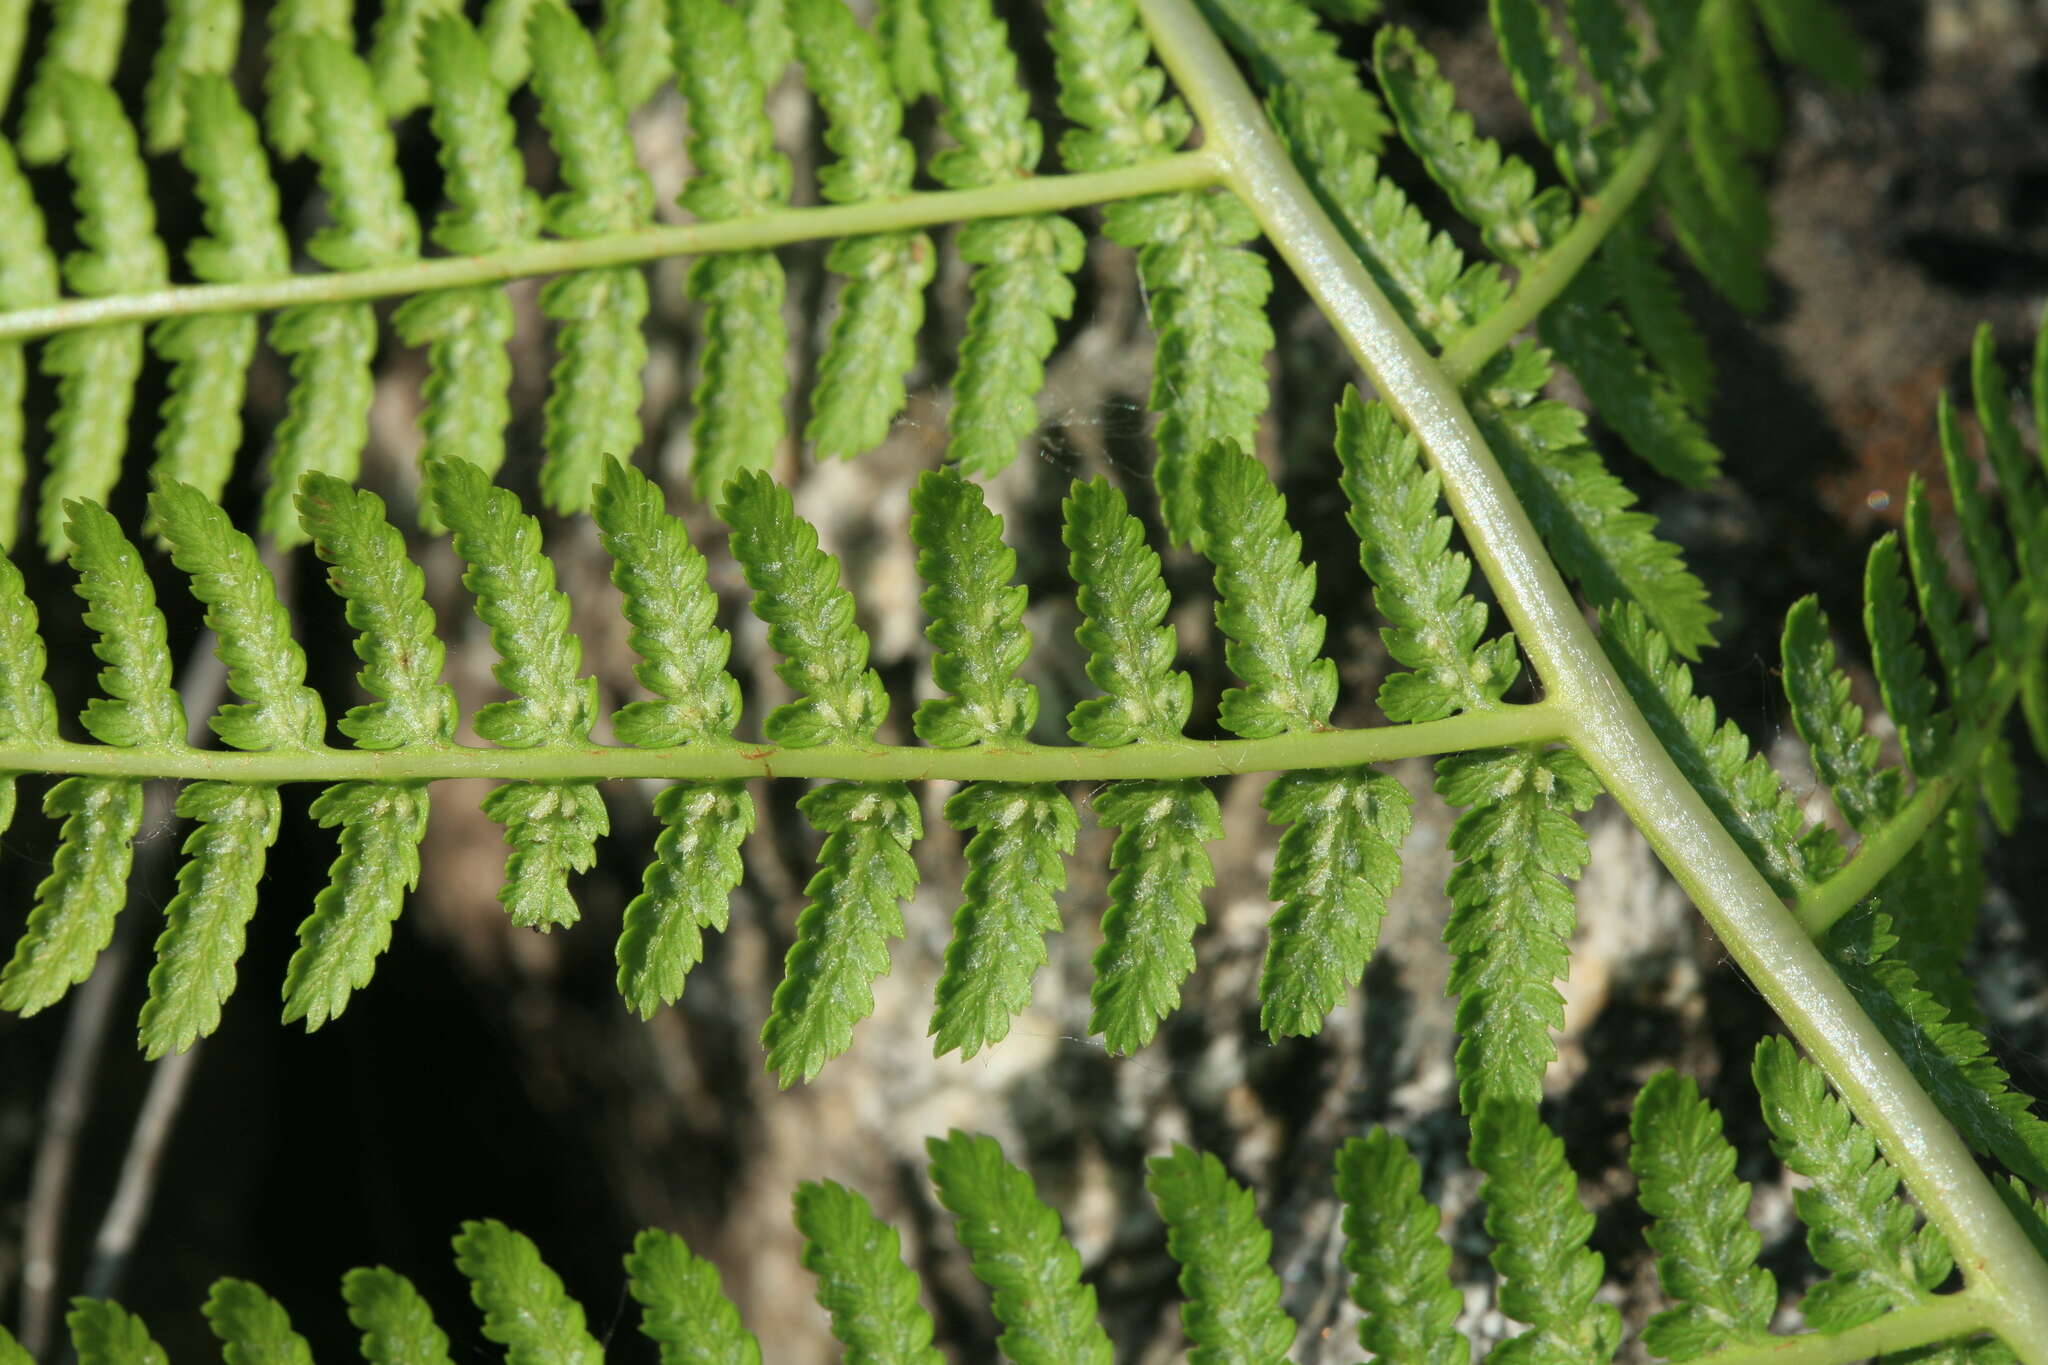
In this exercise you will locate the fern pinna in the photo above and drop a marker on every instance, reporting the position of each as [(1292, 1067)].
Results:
[(1652, 121)]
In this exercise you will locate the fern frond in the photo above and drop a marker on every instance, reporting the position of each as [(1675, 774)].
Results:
[(738, 423), (253, 1327), (1232, 1312), (1844, 756), (862, 1281), (683, 1307), (881, 305), (201, 39), (72, 920), (28, 276), (1706, 1249), (1738, 785), (1857, 1227), (525, 1307), (1047, 1314), (1399, 1264), (1159, 856), (28, 708), (288, 109), (96, 367), (1287, 48), (1206, 291), (1901, 667), (1548, 1274), (107, 1334), (84, 45), (397, 1326), (1020, 834)]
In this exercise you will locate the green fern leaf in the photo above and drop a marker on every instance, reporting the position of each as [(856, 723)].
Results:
[(1813, 34), (1123, 601), (1420, 269), (358, 158), (28, 276), (201, 429), (881, 305), (1338, 862), (1845, 757), (1548, 1274), (1020, 283), (288, 109), (252, 1327), (1941, 606), (862, 1281), (397, 64), (1737, 785), (1019, 833), (1657, 315), (506, 28), (201, 38), (96, 368), (28, 708), (1950, 1058), (854, 907), (738, 400), (551, 827), (634, 39), (12, 1352), (107, 1334), (1582, 511), (2019, 479), (1400, 1267), (381, 825), (1015, 867), (1232, 1311), (1286, 47), (685, 890), (397, 1326), (809, 617), (1613, 55), (1511, 913), (1644, 408), (1901, 667), (1433, 627), (1047, 1315), (205, 921), (1706, 1249), (525, 1307), (253, 626), (84, 46), (1988, 560), (329, 347), (1206, 293), (593, 406), (1274, 637), (1717, 248), (1548, 88), (1857, 1227), (904, 33), (73, 916), (683, 1308)]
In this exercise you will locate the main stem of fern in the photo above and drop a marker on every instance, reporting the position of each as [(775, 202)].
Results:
[(1610, 731)]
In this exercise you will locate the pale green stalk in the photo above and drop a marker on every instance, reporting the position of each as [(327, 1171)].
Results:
[(712, 761), (1760, 931), (1939, 1319), (1038, 194)]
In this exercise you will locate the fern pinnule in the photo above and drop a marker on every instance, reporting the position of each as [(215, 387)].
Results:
[(1843, 755), (881, 304), (1206, 291), (84, 43), (865, 871), (288, 102), (1399, 1263), (489, 208), (1020, 833), (738, 422), (397, 1326), (96, 367), (72, 920), (683, 1307), (1964, 667), (525, 1308), (1047, 1314), (551, 826), (201, 39), (1159, 856), (1340, 856), (1895, 656), (253, 1328), (105, 1333), (1022, 265), (397, 64), (1548, 1274), (903, 31), (593, 406), (28, 708), (672, 610), (1287, 48), (637, 46), (862, 1280), (1858, 1228), (28, 276), (1706, 1249), (1232, 1311), (506, 27)]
